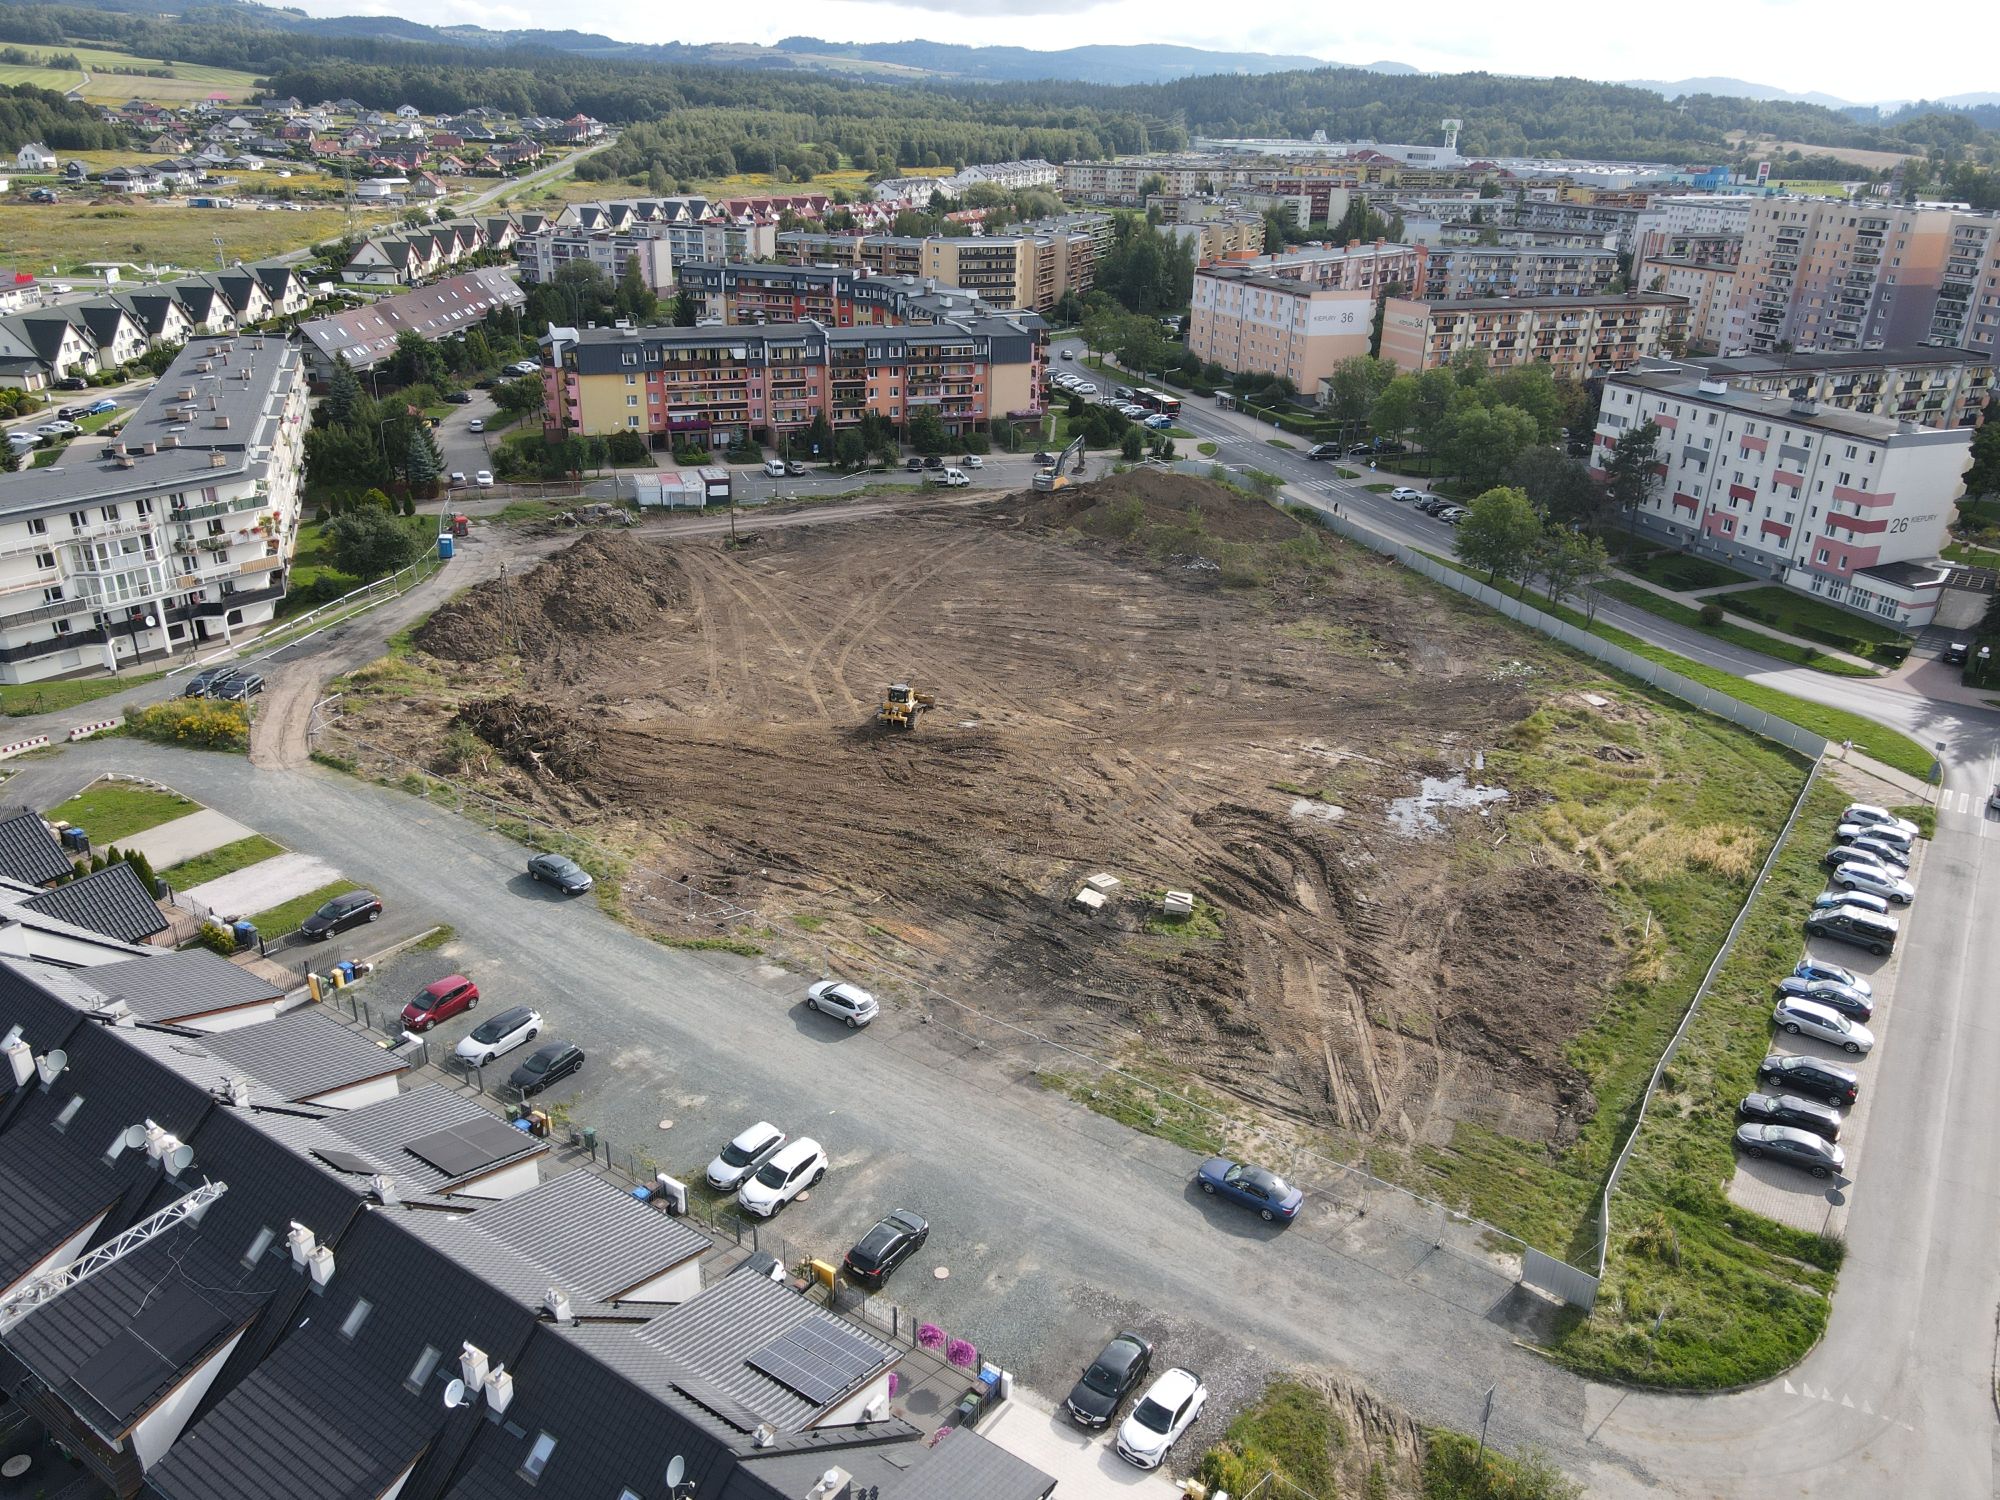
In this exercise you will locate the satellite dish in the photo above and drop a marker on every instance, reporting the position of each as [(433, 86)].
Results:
[(180, 1159), (53, 1063), (676, 1471), (454, 1395), (135, 1136)]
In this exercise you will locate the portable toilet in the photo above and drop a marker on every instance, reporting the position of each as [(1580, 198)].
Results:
[(444, 546)]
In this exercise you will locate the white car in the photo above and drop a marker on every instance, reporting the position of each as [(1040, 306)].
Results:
[(498, 1034), (795, 1168), (477, 424), (843, 1001), (1859, 900), (1086, 388), (1069, 354), (484, 479), (58, 429), (524, 367), (1162, 1415), (458, 476), (775, 467), (744, 1155), (1404, 492), (1809, 1018), (1862, 812), (1876, 881), (974, 461), (1885, 834)]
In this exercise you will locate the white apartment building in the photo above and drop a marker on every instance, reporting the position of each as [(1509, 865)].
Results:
[(1698, 215), (1277, 326), (176, 532), (1848, 507), (1707, 288)]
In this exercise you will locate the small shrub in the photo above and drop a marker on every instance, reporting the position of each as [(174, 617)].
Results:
[(1711, 615), (216, 938), (202, 723)]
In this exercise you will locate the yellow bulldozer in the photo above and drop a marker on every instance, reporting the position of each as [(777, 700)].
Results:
[(902, 706)]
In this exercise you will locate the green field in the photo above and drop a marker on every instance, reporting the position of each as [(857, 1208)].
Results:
[(66, 235), (22, 698), (1640, 597), (112, 810), (220, 862), (1798, 614), (191, 81)]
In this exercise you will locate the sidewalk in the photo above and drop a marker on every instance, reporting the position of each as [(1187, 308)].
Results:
[(1706, 596), (1082, 1464)]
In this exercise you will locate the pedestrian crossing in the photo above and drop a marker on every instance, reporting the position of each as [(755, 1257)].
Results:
[(1969, 804)]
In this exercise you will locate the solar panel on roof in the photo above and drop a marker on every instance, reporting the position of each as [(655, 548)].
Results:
[(467, 1147), (345, 1161), (816, 1362), (162, 1340)]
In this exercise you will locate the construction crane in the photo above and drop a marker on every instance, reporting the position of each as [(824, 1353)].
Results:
[(1051, 478), (38, 1290), (903, 706)]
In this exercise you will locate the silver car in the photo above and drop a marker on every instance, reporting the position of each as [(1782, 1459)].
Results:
[(1807, 1018), (1864, 812), (1875, 881), (744, 1155), (1881, 833), (1860, 900), (843, 1001)]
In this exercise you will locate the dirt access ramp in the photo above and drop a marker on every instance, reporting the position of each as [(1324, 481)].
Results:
[(1152, 675)]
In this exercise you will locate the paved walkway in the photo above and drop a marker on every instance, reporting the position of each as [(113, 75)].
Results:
[(183, 838), (1082, 1463), (1696, 599), (266, 884)]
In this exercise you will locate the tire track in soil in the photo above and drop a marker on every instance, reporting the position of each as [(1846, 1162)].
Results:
[(740, 586), (856, 624)]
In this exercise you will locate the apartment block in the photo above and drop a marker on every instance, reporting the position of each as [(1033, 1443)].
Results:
[(838, 296), (1580, 337), (177, 532), (883, 254), (660, 233), (1926, 384), (1125, 182), (366, 335), (1220, 238), (1457, 271), (1848, 507), (1297, 314), (1706, 228), (714, 385), (1708, 289)]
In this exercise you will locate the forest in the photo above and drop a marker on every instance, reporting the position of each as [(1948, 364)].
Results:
[(31, 114)]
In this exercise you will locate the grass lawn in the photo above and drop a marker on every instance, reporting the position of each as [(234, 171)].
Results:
[(1799, 615), (1206, 450), (1683, 572), (1736, 1296), (1280, 443), (279, 920), (112, 810), (68, 234), (220, 862), (1972, 557), (20, 698), (1737, 635)]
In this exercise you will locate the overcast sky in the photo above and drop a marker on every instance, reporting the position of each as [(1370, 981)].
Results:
[(1829, 46)]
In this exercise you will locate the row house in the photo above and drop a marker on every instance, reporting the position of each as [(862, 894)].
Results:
[(415, 255), (177, 532), (1580, 338), (713, 386), (364, 336), (1847, 507)]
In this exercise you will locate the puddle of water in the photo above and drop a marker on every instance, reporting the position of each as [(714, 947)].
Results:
[(1413, 817), (1311, 807)]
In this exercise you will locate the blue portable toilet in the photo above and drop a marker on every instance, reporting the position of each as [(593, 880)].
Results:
[(444, 546)]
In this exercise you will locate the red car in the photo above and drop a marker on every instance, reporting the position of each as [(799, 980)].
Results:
[(440, 1002)]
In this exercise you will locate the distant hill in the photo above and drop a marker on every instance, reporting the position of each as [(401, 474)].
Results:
[(1736, 88)]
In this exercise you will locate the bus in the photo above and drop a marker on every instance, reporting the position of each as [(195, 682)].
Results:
[(1168, 406)]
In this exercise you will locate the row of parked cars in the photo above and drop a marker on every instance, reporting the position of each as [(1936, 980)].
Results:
[(1797, 1116), (227, 683)]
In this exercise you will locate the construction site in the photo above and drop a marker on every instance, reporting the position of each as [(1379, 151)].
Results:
[(901, 748)]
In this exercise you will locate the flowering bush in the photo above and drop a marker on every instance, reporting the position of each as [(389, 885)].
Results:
[(929, 1335), (962, 1354), (204, 723)]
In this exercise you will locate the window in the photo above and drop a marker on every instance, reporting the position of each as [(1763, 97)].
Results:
[(68, 1112), (78, 520), (422, 1369), (259, 1246), (62, 627), (538, 1457), (109, 512), (52, 594), (38, 526), (357, 1315), (631, 400), (45, 559)]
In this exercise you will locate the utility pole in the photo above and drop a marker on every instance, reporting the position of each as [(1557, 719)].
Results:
[(1485, 1417)]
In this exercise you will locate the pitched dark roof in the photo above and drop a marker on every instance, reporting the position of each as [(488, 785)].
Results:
[(304, 1055), (44, 1015), (113, 901), (597, 1239), (37, 1222), (964, 1466), (385, 1132), (181, 986), (502, 1267), (28, 851)]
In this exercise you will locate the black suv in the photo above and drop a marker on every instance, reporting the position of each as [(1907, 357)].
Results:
[(237, 686), (341, 913), (546, 1065), (885, 1247), (1109, 1379), (1323, 450), (205, 681), (1846, 924), (1794, 1074)]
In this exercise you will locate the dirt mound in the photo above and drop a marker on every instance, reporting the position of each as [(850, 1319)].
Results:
[(538, 737), (1129, 505), (602, 586)]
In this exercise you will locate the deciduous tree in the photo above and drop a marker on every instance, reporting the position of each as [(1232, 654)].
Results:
[(1499, 533)]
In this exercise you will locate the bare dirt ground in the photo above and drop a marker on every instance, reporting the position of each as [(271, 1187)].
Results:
[(1872, 161), (1151, 676)]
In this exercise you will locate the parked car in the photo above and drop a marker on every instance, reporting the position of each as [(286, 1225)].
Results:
[(933, 462), (1451, 515), (497, 1034), (1122, 392), (972, 461), (744, 1154), (1830, 993), (795, 1168), (1041, 457), (458, 476), (1847, 854), (877, 1253), (1404, 492), (484, 479), (1864, 929), (486, 384), (58, 429), (843, 1001), (525, 367), (1885, 834), (1875, 881), (99, 407), (459, 398), (1086, 388), (1885, 852), (1864, 812), (1159, 422), (1792, 1111), (1108, 1379), (775, 467), (341, 913), (200, 685), (915, 465), (1956, 653), (1795, 1148), (440, 1001), (68, 382), (793, 468), (1859, 900), (560, 871), (1791, 1073), (1252, 1187), (548, 1064), (238, 687), (1819, 968), (1166, 1411), (1822, 1023), (477, 424)]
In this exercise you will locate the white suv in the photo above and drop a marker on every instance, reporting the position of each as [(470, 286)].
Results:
[(1862, 812), (498, 1034), (843, 1001), (1876, 881), (782, 1178), (1162, 1415)]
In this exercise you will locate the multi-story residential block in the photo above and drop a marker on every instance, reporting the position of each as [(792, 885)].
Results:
[(1127, 181), (1679, 226), (364, 336), (1926, 384), (1707, 287), (1220, 238), (1848, 507), (1298, 314), (176, 532), (714, 385), (1579, 337), (1433, 232), (838, 296), (1458, 271), (1013, 176), (883, 254), (1027, 266), (660, 233)]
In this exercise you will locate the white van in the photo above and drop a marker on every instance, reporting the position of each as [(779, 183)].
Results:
[(953, 477), (775, 467)]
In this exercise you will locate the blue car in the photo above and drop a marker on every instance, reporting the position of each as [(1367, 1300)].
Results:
[(1819, 968), (99, 408), (1253, 1187)]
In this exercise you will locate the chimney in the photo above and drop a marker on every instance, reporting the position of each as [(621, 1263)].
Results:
[(222, 419), (21, 1058), (152, 448), (211, 401), (303, 1244), (556, 1303), (124, 460), (216, 459), (472, 1366), (171, 440), (833, 1485)]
